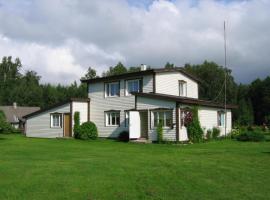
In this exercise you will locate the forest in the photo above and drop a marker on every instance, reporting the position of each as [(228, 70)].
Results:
[(253, 99)]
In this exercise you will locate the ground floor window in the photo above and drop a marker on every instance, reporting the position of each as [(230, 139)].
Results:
[(112, 118), (164, 117), (221, 118), (56, 120)]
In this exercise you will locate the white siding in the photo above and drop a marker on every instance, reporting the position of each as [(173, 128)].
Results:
[(39, 125), (150, 103), (81, 107), (168, 83), (99, 104), (209, 119)]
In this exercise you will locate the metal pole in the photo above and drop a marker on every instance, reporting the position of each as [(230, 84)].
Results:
[(225, 63)]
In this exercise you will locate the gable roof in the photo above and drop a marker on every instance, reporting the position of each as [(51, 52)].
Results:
[(141, 73), (57, 105), (184, 100), (14, 114)]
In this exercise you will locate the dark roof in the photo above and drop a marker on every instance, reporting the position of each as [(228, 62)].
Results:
[(140, 73), (184, 100), (13, 114), (56, 105)]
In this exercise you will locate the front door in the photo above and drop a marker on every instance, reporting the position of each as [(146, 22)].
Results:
[(134, 125), (67, 128)]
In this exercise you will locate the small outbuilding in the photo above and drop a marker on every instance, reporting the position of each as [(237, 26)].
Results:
[(58, 120)]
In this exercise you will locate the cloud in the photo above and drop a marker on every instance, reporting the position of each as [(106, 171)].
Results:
[(61, 39)]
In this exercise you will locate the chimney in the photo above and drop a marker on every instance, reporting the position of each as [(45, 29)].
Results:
[(143, 67), (14, 105)]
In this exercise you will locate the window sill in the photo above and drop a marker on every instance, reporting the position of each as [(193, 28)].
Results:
[(112, 125), (111, 96)]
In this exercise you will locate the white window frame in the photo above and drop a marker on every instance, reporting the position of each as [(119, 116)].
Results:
[(127, 93), (53, 124), (126, 118), (183, 89), (108, 93), (159, 112), (219, 118), (109, 118)]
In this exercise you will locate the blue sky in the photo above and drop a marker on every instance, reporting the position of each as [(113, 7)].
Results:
[(60, 39)]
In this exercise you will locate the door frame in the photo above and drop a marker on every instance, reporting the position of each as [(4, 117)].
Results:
[(144, 112), (70, 124)]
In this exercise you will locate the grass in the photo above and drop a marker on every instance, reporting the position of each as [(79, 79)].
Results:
[(104, 169)]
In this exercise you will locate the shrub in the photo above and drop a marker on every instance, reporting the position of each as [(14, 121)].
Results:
[(194, 130), (6, 127), (209, 134), (215, 132), (123, 136), (87, 130), (160, 132), (235, 133), (76, 128), (253, 136)]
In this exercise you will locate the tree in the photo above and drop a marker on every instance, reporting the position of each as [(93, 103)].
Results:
[(116, 70), (91, 73), (169, 65)]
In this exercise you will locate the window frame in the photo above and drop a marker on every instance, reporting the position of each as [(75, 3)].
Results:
[(158, 111), (139, 80), (107, 93), (221, 113), (184, 83), (60, 116), (109, 118)]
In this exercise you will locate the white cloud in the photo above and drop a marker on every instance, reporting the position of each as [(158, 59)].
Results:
[(61, 39)]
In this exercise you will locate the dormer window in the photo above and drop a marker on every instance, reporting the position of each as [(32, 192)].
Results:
[(182, 88), (112, 89), (133, 86)]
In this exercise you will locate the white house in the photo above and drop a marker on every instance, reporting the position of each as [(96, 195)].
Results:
[(136, 102)]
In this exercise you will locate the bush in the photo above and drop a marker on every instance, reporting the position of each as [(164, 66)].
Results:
[(87, 130), (76, 128), (235, 133), (194, 130), (160, 132), (123, 136), (209, 134), (6, 127), (215, 132), (253, 136)]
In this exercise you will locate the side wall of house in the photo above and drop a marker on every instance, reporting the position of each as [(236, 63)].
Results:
[(209, 119), (168, 83), (40, 125), (99, 104), (149, 104), (81, 107)]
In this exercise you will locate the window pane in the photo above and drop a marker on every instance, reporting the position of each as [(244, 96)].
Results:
[(161, 117), (136, 86), (130, 86), (168, 117), (107, 89), (155, 119), (117, 118)]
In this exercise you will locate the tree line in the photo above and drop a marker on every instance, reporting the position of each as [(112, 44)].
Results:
[(252, 99)]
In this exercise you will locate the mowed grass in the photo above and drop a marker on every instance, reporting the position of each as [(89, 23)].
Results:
[(104, 169)]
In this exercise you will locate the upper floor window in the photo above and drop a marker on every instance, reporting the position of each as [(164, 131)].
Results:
[(133, 86), (164, 117), (56, 120), (221, 118), (112, 89), (112, 118), (182, 88)]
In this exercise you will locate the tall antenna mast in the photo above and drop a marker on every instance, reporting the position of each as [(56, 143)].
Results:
[(225, 76)]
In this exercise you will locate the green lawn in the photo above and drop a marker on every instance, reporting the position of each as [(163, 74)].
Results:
[(105, 169)]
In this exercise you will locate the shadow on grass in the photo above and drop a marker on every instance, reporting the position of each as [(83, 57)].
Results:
[(267, 152)]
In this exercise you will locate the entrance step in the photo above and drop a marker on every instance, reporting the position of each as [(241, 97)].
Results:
[(141, 140)]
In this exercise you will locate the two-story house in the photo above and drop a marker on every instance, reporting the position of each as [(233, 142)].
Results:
[(134, 102)]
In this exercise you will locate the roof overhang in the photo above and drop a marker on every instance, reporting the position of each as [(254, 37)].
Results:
[(184, 100)]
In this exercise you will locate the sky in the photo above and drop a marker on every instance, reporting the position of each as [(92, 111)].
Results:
[(60, 39)]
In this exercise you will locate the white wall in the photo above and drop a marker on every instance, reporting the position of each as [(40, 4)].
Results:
[(168, 83), (208, 118), (81, 107), (39, 125)]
